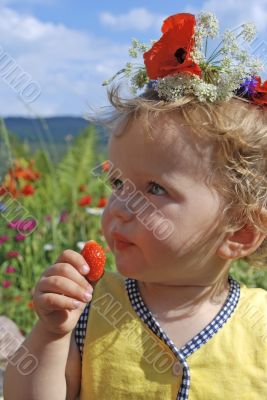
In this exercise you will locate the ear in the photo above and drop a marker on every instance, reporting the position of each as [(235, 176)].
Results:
[(240, 243)]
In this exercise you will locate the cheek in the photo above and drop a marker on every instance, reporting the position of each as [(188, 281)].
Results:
[(105, 225)]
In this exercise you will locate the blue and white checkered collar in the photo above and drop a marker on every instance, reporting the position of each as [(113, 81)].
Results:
[(197, 341)]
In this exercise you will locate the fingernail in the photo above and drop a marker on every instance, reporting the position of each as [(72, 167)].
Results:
[(85, 268), (87, 296)]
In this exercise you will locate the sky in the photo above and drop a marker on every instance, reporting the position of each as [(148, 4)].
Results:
[(66, 49)]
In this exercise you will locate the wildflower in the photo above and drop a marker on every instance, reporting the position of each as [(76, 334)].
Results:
[(18, 298), (85, 201), (6, 284), (27, 225), (94, 211), (20, 237), (102, 202), (30, 305), (63, 216), (3, 239), (48, 247), (172, 53), (80, 245), (248, 87), (48, 218), (261, 92), (28, 190), (105, 166), (12, 254), (10, 269)]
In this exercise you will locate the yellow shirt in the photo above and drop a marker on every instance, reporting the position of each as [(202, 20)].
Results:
[(126, 355)]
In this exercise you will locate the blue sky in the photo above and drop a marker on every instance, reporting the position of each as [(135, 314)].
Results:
[(69, 48)]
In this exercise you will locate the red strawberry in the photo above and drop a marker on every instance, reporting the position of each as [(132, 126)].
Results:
[(95, 257)]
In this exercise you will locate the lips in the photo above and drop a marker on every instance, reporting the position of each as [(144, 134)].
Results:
[(120, 241), (120, 238)]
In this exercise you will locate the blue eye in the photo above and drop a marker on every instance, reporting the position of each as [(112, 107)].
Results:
[(157, 187)]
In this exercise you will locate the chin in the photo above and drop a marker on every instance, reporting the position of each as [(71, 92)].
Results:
[(127, 271)]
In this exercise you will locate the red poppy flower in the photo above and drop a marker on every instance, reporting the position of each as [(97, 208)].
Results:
[(28, 190), (85, 201), (102, 202), (171, 54), (105, 166), (30, 305), (261, 92)]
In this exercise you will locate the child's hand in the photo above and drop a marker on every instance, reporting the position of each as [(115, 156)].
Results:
[(60, 294)]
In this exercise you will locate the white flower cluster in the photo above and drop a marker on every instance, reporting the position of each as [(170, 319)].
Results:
[(137, 48), (175, 87), (223, 71), (220, 78)]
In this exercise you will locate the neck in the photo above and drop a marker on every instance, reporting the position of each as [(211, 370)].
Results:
[(167, 297)]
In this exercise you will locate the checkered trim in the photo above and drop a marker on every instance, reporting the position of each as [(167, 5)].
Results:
[(80, 329), (147, 317), (199, 340)]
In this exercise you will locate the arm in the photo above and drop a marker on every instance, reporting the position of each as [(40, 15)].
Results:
[(51, 342), (48, 381)]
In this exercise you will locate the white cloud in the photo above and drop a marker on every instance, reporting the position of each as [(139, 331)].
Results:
[(69, 65), (231, 13), (139, 19)]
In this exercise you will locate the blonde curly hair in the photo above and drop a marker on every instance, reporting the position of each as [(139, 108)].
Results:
[(238, 130)]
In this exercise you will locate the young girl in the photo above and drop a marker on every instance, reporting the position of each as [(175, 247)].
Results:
[(189, 197)]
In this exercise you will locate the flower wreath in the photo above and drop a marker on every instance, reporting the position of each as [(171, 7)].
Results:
[(177, 64)]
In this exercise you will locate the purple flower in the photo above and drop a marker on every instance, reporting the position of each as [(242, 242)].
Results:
[(48, 218), (19, 237), (12, 254), (13, 224), (3, 239), (248, 87), (6, 284), (23, 225), (63, 216), (10, 269), (28, 225), (2, 207)]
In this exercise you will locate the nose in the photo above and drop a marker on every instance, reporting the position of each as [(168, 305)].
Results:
[(119, 208)]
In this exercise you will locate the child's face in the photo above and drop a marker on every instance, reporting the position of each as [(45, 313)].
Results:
[(178, 163)]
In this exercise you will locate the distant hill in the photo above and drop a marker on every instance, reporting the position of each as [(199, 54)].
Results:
[(57, 130), (30, 129)]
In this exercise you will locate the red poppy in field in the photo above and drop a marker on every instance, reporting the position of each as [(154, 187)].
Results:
[(171, 54), (3, 190), (30, 305), (102, 202), (105, 166), (28, 190), (260, 97), (85, 201), (28, 174)]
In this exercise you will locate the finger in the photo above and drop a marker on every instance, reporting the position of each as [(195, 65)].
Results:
[(68, 271), (75, 259), (54, 302), (62, 285)]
